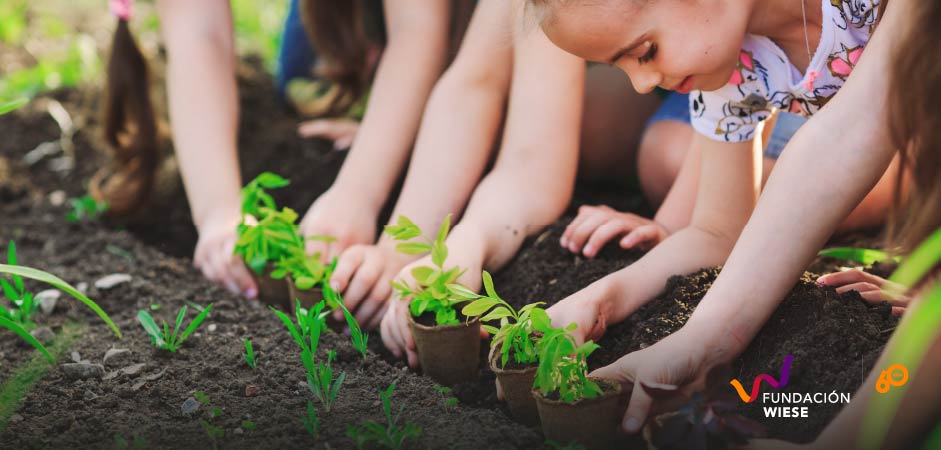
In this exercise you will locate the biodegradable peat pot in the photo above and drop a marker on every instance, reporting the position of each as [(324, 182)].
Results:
[(517, 384), (308, 298), (591, 422), (449, 354), (271, 291)]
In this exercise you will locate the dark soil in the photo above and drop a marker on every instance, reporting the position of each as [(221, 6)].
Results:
[(834, 339)]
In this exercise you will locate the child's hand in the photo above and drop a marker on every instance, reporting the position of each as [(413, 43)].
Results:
[(597, 225), (340, 131), (871, 288), (588, 308), (363, 275), (215, 256), (343, 217), (396, 334)]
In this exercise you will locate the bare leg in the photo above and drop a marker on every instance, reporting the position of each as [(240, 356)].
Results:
[(612, 125)]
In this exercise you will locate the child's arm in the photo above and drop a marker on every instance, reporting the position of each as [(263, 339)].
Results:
[(412, 61), (725, 198), (459, 127), (203, 114), (828, 167), (532, 180)]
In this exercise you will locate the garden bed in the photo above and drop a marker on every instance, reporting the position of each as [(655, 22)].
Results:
[(835, 339)]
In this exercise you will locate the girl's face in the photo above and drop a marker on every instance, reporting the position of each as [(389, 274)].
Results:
[(680, 45)]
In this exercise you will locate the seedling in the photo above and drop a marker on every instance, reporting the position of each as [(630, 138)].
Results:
[(708, 420), (306, 271), (85, 207), (450, 401), (11, 105), (24, 308), (19, 272), (248, 425), (320, 379), (213, 432), (249, 353), (266, 235), (518, 337), (563, 366), (310, 324), (166, 340), (121, 442), (391, 434), (435, 288), (311, 423), (357, 336), (865, 256)]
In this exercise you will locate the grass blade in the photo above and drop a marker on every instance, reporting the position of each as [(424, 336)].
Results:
[(195, 323), (61, 285), (151, 328), (12, 326)]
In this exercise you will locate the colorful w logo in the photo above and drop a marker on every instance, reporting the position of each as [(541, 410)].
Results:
[(785, 373)]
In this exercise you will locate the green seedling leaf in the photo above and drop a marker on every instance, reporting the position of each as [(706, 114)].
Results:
[(311, 423), (413, 248), (151, 328), (249, 353), (248, 425), (11, 105), (19, 331), (865, 256), (202, 397), (195, 323)]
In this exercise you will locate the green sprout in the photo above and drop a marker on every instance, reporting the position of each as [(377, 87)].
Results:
[(311, 423), (866, 256), (450, 401), (518, 336), (436, 290), (166, 340), (249, 353), (306, 271), (357, 336), (248, 425), (266, 235), (213, 432), (306, 334), (24, 308), (121, 442), (563, 366), (17, 273), (85, 207), (11, 105), (390, 434)]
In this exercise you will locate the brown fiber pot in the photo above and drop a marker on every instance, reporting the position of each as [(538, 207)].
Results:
[(591, 422), (449, 354), (271, 291), (517, 385)]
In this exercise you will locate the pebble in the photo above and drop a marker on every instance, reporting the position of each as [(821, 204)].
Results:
[(212, 328), (82, 287), (47, 300), (116, 356), (133, 369), (251, 390), (57, 198), (190, 406), (81, 371), (239, 431), (109, 281), (43, 334), (77, 357)]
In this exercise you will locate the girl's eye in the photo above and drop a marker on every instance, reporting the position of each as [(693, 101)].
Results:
[(651, 52)]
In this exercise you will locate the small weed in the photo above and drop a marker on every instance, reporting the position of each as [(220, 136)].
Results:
[(390, 434), (248, 425), (249, 353), (320, 380), (24, 308), (450, 401), (85, 207), (167, 340), (213, 432), (311, 423)]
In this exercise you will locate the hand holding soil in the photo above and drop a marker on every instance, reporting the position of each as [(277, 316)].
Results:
[(363, 275), (346, 218), (595, 226), (588, 308), (872, 288), (680, 361), (215, 256)]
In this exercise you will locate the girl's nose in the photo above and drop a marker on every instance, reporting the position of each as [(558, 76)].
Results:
[(644, 79)]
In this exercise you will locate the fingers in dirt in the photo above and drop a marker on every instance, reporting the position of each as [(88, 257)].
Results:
[(602, 235)]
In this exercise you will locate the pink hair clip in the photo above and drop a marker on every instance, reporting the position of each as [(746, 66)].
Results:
[(122, 8)]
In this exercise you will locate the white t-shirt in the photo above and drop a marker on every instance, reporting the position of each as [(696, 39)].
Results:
[(765, 79)]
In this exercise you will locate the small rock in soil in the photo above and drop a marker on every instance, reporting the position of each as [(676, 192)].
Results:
[(116, 356), (239, 431), (43, 334), (57, 198), (81, 371), (133, 369), (252, 390), (82, 287), (47, 300), (212, 328), (155, 376), (77, 357), (110, 281), (189, 406)]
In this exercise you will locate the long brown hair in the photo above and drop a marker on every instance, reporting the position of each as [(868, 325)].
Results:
[(915, 121)]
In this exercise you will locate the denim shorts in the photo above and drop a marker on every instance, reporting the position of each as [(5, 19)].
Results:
[(676, 107)]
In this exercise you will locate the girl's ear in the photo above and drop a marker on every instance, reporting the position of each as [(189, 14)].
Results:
[(129, 129)]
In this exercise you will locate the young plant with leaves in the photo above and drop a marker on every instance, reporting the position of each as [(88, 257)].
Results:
[(24, 306), (320, 377), (306, 271), (214, 432), (166, 339), (249, 353), (563, 366), (266, 235), (19, 272), (435, 289), (448, 399), (85, 207), (358, 337), (519, 331), (311, 422), (390, 434)]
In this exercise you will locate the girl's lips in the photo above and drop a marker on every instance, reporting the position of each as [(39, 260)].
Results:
[(686, 86)]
